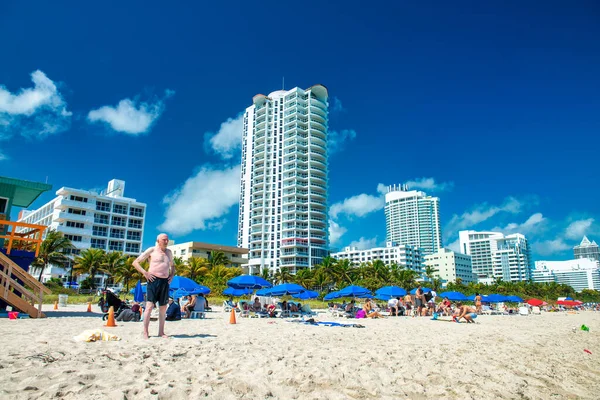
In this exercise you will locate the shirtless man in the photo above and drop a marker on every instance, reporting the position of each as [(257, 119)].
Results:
[(159, 276), (466, 312)]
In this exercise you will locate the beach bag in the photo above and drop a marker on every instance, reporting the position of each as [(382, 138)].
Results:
[(360, 314)]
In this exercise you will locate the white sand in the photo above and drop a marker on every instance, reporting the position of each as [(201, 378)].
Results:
[(536, 357)]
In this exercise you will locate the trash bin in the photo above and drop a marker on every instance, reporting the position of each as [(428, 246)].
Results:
[(62, 300)]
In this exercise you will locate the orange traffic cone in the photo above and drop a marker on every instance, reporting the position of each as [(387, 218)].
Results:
[(56, 305), (111, 317), (232, 317), (89, 307)]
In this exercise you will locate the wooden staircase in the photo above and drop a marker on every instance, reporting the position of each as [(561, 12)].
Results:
[(14, 279)]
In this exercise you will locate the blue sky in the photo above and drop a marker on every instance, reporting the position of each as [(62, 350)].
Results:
[(493, 108)]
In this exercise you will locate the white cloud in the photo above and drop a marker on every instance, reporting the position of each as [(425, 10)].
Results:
[(578, 229), (455, 246), (202, 201), (363, 243), (36, 111), (430, 185), (335, 231), (130, 116), (336, 140), (337, 105), (549, 247), (532, 224), (229, 137), (359, 205), (479, 214)]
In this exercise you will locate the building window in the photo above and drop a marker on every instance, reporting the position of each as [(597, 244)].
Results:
[(120, 209), (98, 244), (78, 198), (76, 211), (132, 247), (117, 233), (134, 235), (135, 223), (102, 206), (114, 245), (118, 221), (3, 205), (99, 231), (100, 218), (71, 224), (74, 238), (136, 212)]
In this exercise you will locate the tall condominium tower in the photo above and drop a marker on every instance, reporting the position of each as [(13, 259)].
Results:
[(413, 218), (283, 190), (495, 255), (587, 249)]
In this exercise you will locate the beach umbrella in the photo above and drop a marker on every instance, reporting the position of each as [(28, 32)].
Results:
[(496, 298), (354, 291), (425, 290), (236, 292), (331, 296), (569, 303), (535, 302), (248, 282), (138, 292), (454, 296), (263, 292), (388, 292), (181, 282), (568, 298), (286, 289), (307, 294), (514, 299)]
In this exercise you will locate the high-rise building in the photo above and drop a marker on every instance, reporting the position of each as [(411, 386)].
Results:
[(413, 219), (451, 265), (105, 220), (495, 255), (408, 257), (587, 249), (283, 190), (581, 273)]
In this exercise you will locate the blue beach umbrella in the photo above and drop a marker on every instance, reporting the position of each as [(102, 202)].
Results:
[(236, 292), (454, 296), (307, 294), (286, 289), (496, 298), (248, 282), (332, 296), (388, 292), (263, 292), (138, 292), (354, 291), (514, 299), (425, 290), (181, 282)]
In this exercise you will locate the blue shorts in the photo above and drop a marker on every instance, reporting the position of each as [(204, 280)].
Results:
[(473, 315)]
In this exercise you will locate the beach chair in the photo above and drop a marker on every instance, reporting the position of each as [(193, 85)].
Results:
[(536, 310), (226, 307), (523, 311), (486, 310), (197, 315)]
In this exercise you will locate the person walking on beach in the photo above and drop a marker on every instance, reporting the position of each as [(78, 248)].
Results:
[(159, 276), (478, 303)]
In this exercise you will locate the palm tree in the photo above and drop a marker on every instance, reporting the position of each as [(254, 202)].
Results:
[(52, 251), (218, 276), (430, 272), (218, 258), (127, 273), (345, 273), (283, 275), (196, 267), (90, 261), (407, 278), (328, 265), (304, 278), (179, 265), (111, 263)]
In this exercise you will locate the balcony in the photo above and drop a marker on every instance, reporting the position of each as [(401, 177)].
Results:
[(64, 216), (63, 204)]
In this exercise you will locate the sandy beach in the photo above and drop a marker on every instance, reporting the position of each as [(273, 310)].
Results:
[(507, 357)]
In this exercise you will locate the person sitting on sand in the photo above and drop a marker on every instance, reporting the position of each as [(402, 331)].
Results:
[(444, 307), (369, 311), (256, 306), (466, 312), (173, 311)]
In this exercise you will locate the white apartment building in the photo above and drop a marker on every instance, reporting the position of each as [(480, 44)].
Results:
[(413, 219), (203, 250), (451, 265), (106, 220), (495, 255), (587, 249), (283, 189), (581, 273), (408, 256)]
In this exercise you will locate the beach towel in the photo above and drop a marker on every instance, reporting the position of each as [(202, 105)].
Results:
[(96, 335), (312, 321)]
